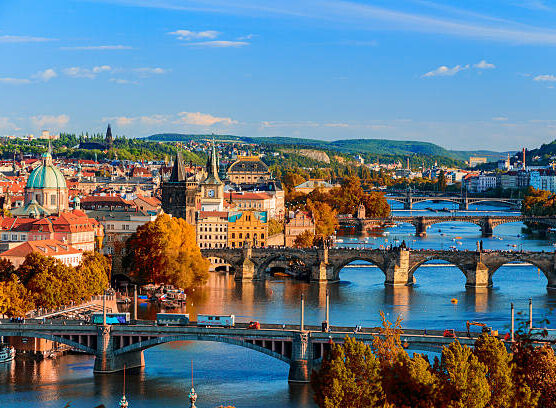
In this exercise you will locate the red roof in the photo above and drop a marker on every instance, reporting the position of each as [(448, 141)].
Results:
[(48, 247), (247, 196)]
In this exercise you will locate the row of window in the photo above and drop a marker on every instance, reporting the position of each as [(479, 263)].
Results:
[(212, 245), (209, 229), (223, 237)]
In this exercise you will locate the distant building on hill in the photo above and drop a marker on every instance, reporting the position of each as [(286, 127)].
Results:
[(248, 170)]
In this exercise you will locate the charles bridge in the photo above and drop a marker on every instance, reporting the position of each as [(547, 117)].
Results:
[(486, 223), (398, 264)]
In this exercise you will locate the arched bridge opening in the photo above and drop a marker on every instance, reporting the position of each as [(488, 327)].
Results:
[(361, 265), (291, 264), (441, 274), (280, 349), (519, 274), (86, 343)]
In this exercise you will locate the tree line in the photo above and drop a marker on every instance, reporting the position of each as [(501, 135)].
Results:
[(46, 282), (383, 375)]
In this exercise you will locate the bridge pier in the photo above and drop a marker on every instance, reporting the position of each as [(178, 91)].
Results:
[(478, 276), (408, 205), (464, 205), (246, 270), (397, 273), (420, 227), (487, 227), (301, 363), (106, 361)]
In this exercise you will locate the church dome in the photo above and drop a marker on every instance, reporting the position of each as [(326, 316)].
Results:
[(46, 176)]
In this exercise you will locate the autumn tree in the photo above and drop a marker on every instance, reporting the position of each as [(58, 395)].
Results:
[(441, 181), (6, 269), (349, 377), (376, 205), (53, 283), (324, 217), (15, 299), (275, 227), (95, 269), (304, 240), (165, 251), (464, 383)]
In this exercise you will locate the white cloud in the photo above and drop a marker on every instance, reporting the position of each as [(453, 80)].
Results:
[(443, 70), (484, 65), (218, 44), (79, 72), (97, 48), (122, 81), (545, 78), (22, 39), (203, 119), (456, 22), (151, 71), (6, 124), (14, 81), (500, 118), (45, 75), (50, 121), (187, 35)]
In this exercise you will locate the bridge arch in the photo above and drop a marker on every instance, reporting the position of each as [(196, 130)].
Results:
[(356, 257), (424, 199), (263, 264), (413, 267), (54, 338), (494, 268), (143, 345)]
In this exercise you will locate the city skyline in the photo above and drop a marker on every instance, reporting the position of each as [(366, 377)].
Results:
[(473, 78)]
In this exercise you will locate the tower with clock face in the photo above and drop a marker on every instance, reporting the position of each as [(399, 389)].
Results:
[(212, 188)]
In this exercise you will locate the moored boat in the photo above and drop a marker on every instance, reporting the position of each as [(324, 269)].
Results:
[(7, 353)]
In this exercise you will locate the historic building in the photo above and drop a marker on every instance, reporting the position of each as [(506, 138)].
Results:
[(247, 226), (181, 195), (46, 191), (297, 223), (212, 188), (248, 170), (212, 229)]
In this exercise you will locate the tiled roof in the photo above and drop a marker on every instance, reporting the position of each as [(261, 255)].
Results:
[(48, 247)]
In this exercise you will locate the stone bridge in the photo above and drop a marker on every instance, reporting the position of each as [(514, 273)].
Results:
[(119, 346), (398, 264), (421, 223), (463, 202)]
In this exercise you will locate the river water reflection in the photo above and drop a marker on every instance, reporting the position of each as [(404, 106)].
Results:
[(226, 374)]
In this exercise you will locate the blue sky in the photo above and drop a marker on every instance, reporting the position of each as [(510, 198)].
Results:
[(465, 75)]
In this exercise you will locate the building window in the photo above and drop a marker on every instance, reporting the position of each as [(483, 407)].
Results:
[(53, 199)]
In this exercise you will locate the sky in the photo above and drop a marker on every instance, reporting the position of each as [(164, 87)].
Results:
[(465, 75)]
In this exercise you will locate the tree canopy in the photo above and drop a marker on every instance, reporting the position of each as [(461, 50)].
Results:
[(165, 251)]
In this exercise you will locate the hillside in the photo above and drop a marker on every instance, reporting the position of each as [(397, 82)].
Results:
[(374, 146)]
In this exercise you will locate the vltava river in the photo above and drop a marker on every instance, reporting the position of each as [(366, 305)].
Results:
[(226, 374)]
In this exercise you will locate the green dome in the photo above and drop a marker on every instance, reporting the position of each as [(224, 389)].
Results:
[(46, 175)]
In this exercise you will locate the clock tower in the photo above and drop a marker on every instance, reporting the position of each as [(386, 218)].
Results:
[(212, 188)]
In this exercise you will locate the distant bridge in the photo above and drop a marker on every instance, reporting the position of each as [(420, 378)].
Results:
[(397, 264), (119, 346), (421, 223), (463, 202)]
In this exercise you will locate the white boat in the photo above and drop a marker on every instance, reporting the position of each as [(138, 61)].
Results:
[(7, 353)]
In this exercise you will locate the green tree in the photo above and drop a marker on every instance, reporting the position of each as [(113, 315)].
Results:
[(349, 378), (442, 181), (165, 251), (15, 299), (464, 383)]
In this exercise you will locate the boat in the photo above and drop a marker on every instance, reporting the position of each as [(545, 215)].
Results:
[(7, 353), (454, 301)]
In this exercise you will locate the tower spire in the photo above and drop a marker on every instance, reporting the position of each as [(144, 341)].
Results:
[(212, 166)]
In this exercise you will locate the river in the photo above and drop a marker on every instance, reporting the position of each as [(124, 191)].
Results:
[(231, 375)]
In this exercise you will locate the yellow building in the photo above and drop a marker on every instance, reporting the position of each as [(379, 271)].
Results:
[(247, 226)]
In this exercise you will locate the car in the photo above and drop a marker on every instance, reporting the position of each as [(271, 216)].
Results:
[(449, 333), (254, 325)]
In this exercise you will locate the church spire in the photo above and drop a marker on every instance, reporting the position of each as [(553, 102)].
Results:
[(212, 166), (178, 171), (109, 138)]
